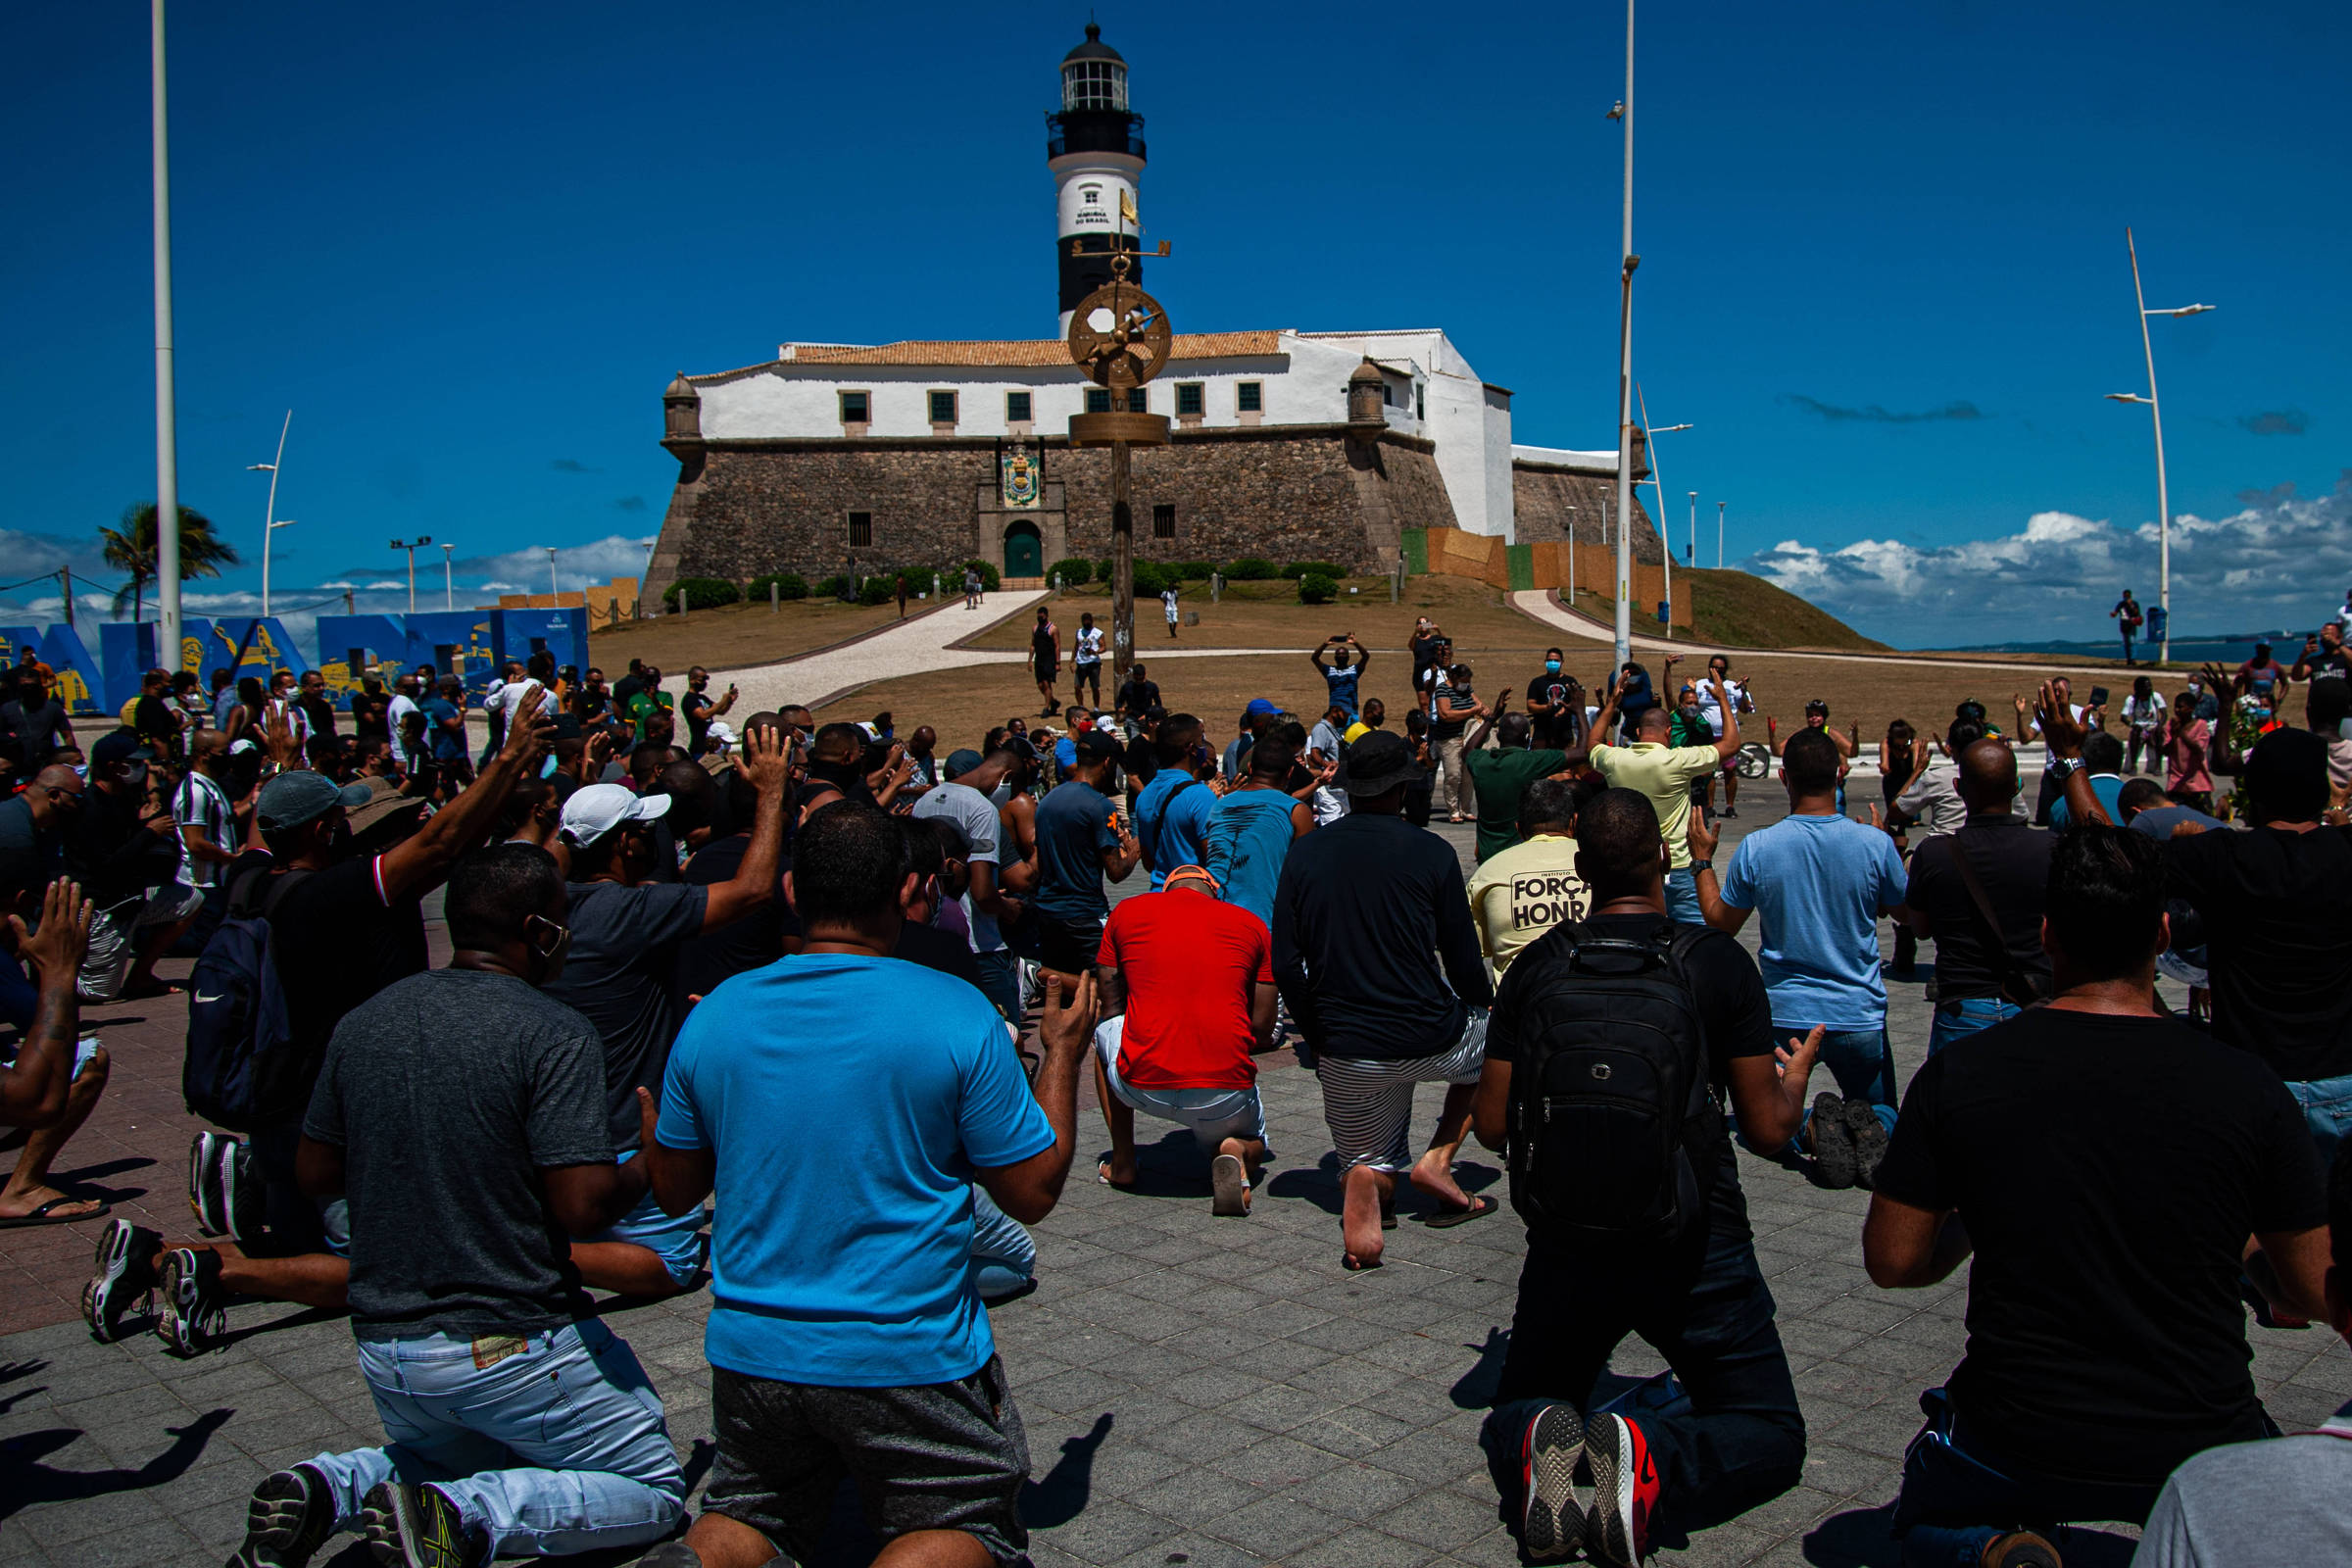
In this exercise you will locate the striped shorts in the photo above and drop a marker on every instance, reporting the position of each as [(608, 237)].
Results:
[(1368, 1105)]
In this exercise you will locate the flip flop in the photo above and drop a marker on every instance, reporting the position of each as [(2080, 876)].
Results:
[(1103, 1175), (1230, 1182), (43, 1217), (1480, 1206)]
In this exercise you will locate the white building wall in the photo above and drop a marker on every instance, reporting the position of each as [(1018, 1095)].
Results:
[(1305, 383)]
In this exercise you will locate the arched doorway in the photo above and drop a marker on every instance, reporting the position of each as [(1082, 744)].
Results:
[(1024, 550)]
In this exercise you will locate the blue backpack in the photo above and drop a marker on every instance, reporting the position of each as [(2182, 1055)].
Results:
[(243, 1070)]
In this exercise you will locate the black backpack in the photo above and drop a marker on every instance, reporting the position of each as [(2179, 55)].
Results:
[(1614, 1123), (243, 1069)]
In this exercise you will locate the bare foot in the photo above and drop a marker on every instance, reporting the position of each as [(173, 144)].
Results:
[(1432, 1173), (1359, 1219)]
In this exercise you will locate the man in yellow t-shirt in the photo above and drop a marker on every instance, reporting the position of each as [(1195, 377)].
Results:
[(1375, 712), (1532, 887), (1665, 773)]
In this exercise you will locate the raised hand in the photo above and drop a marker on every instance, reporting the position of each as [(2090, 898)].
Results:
[(1702, 837), (2059, 726), (57, 949), (1067, 1028), (765, 761)]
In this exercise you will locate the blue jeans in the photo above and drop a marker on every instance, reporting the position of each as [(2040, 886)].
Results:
[(1004, 1253), (1000, 981), (1701, 1303), (1861, 1060), (675, 1239), (1681, 896), (1957, 1494), (554, 1448), (1963, 1017), (2328, 1111)]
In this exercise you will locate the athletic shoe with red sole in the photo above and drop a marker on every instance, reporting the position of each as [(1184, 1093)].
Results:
[(1625, 1492), (1551, 1521)]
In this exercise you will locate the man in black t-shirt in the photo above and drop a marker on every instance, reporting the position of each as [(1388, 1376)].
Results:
[(2327, 665), (1983, 976), (1137, 696), (38, 720), (1696, 1297), (1556, 703), (2275, 956), (341, 929), (461, 1114), (2106, 1336)]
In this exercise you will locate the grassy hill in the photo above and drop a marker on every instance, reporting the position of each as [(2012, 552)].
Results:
[(1746, 611)]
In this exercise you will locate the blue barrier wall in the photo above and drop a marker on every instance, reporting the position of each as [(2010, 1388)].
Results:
[(477, 641)]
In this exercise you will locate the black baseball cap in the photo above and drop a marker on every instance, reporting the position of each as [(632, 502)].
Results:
[(120, 745), (1096, 747)]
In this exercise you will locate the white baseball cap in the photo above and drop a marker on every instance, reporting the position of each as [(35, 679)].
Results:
[(720, 733), (597, 809)]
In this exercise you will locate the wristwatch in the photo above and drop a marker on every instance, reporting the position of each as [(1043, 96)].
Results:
[(1698, 866), (2065, 767)]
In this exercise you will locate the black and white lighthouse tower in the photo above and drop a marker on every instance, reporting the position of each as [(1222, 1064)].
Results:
[(1095, 147)]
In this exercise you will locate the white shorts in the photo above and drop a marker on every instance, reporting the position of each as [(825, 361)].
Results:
[(1210, 1115), (1369, 1105)]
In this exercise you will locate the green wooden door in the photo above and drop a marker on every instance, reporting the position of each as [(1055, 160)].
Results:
[(1024, 553)]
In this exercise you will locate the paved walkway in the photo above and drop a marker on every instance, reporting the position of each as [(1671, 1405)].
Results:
[(1544, 604), (1207, 1393)]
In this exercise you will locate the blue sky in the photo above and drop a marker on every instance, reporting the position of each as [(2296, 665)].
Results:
[(1883, 261)]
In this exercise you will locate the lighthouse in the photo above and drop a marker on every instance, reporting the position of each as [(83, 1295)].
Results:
[(1095, 147)]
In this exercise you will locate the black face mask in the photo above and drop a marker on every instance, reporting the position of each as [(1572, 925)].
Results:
[(841, 776)]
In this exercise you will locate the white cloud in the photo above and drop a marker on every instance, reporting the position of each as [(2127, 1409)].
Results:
[(2268, 565)]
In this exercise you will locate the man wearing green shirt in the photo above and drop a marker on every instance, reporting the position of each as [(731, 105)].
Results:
[(1664, 773), (1499, 776), (648, 700)]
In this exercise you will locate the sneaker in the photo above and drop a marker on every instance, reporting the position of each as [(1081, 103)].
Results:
[(204, 1184), (1868, 1135), (290, 1516), (1228, 1187), (1833, 1142), (2020, 1549), (241, 1197), (1552, 1525), (191, 1315), (1729, 810), (1625, 1492), (125, 1274), (407, 1525)]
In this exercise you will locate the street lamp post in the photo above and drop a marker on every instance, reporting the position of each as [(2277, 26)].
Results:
[(1719, 535), (167, 418), (2164, 504), (269, 522), (1625, 364), (552, 589), (448, 592), (1690, 551), (412, 546), (1657, 484)]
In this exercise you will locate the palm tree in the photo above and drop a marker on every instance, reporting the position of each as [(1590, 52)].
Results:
[(132, 549)]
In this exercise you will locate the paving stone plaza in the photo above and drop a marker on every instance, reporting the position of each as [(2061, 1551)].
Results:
[(1214, 1394)]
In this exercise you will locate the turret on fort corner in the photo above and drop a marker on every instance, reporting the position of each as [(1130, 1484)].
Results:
[(1095, 147)]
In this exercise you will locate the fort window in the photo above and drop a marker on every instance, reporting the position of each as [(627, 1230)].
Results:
[(1017, 408), (1163, 521), (1188, 397), (1248, 396), (862, 529), (853, 407), (943, 408), (1098, 400)]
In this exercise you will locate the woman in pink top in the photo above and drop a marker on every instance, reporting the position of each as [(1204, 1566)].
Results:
[(2187, 740)]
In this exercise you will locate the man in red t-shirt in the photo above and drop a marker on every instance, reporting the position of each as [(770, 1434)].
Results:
[(1188, 982)]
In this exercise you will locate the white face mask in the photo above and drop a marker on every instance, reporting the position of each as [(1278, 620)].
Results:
[(1002, 794)]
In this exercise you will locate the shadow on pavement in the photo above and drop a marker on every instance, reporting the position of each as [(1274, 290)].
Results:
[(25, 1479)]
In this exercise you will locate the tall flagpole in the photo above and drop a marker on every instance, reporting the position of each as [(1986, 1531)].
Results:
[(1625, 376), (166, 433)]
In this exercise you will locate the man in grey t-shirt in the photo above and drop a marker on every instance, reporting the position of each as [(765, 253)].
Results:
[(969, 800), (462, 1113)]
